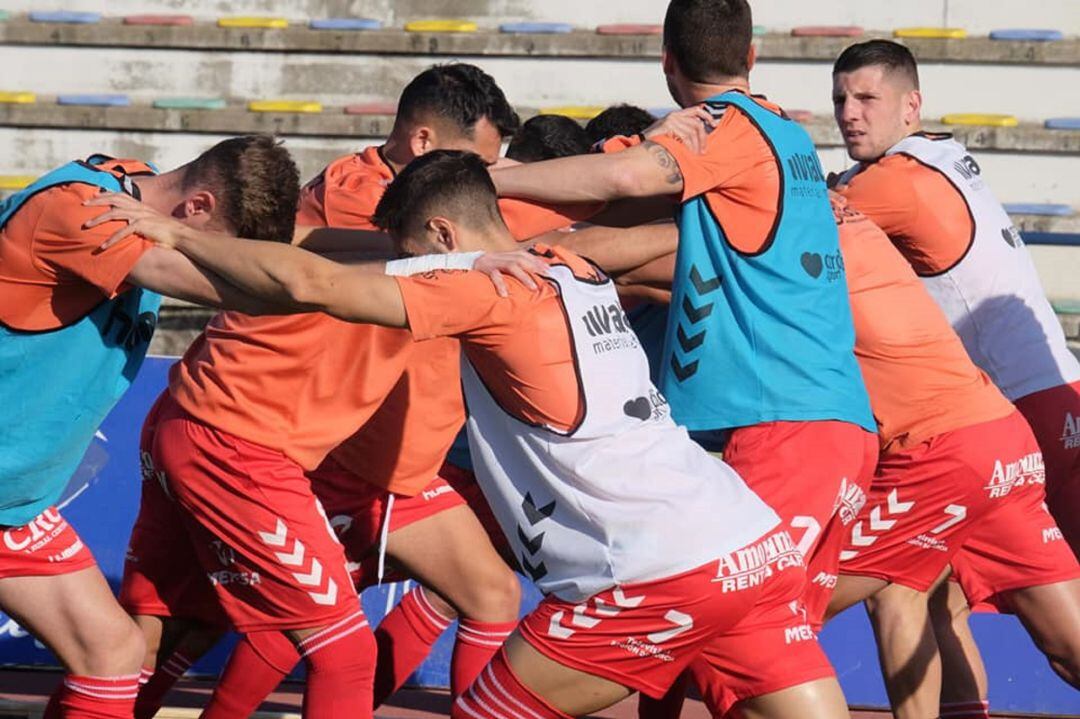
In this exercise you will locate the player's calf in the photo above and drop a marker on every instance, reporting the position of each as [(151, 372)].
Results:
[(1051, 614)]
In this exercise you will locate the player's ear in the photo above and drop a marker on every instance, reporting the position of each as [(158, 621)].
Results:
[(422, 140), (198, 206), (443, 233), (751, 57), (667, 62), (912, 107)]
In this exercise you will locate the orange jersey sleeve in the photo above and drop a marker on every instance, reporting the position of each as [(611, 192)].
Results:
[(52, 268), (920, 210), (738, 174), (346, 193), (920, 379), (527, 220), (520, 343)]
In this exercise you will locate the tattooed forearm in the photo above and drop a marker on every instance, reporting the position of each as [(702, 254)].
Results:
[(666, 161)]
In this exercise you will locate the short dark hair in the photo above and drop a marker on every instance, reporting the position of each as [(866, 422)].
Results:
[(452, 183), (546, 137), (461, 94), (710, 39), (893, 56), (626, 120), (255, 182)]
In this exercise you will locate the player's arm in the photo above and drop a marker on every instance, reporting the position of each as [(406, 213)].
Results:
[(642, 171), (618, 250), (328, 240), (658, 273)]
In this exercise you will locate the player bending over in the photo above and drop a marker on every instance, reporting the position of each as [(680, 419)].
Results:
[(585, 475)]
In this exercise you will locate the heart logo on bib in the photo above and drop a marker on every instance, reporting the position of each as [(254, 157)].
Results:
[(811, 262), (639, 408)]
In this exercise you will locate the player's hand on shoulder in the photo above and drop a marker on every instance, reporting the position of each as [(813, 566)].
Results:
[(141, 220), (691, 125), (520, 264)]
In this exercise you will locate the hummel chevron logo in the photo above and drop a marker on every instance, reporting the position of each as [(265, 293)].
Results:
[(531, 545), (328, 597), (683, 623), (537, 573), (896, 506), (556, 629), (695, 314), (691, 343), (702, 286), (683, 373), (277, 539), (533, 513), (312, 578), (859, 539), (581, 620), (293, 559)]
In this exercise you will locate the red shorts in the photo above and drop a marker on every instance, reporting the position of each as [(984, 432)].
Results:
[(358, 510), (1054, 416), (815, 476), (933, 504), (43, 547), (644, 635), (255, 528), (162, 577)]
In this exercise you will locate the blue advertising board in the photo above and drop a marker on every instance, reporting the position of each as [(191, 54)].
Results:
[(102, 500)]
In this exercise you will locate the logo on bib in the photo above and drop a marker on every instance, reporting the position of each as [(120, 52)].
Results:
[(1070, 435), (812, 263)]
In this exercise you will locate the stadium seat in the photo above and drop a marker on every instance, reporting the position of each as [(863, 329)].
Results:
[(17, 98), (1038, 208), (576, 112), (828, 31), (101, 100), (189, 103), (65, 16), (1027, 34), (345, 23), (440, 26), (305, 106), (4, 15), (976, 118), (1063, 123), (537, 28), (159, 20), (800, 115), (629, 29), (272, 23), (940, 33), (15, 182), (371, 108), (760, 30)]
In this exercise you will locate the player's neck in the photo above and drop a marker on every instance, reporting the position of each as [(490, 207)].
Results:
[(396, 154), (157, 191), (695, 92)]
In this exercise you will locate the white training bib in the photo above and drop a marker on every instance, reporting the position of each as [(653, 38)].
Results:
[(992, 296), (625, 496)]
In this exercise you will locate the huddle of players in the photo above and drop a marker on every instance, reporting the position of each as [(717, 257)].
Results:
[(785, 301)]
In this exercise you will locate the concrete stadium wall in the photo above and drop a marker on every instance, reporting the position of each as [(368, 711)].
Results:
[(975, 15)]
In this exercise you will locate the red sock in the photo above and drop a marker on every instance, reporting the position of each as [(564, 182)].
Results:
[(154, 685), (476, 643), (498, 693), (94, 698), (256, 666), (670, 705), (405, 637), (966, 710), (340, 670)]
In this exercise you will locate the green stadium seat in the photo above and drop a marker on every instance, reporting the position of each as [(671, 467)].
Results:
[(189, 103)]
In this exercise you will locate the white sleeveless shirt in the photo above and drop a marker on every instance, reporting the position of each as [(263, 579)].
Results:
[(992, 295), (625, 496)]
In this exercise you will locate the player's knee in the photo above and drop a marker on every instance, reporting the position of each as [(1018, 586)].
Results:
[(496, 599), (117, 648), (896, 605)]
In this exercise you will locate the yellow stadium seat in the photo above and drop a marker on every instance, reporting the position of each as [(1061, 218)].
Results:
[(18, 98), (440, 26), (577, 112), (275, 23), (977, 118), (15, 182), (941, 33), (285, 106)]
